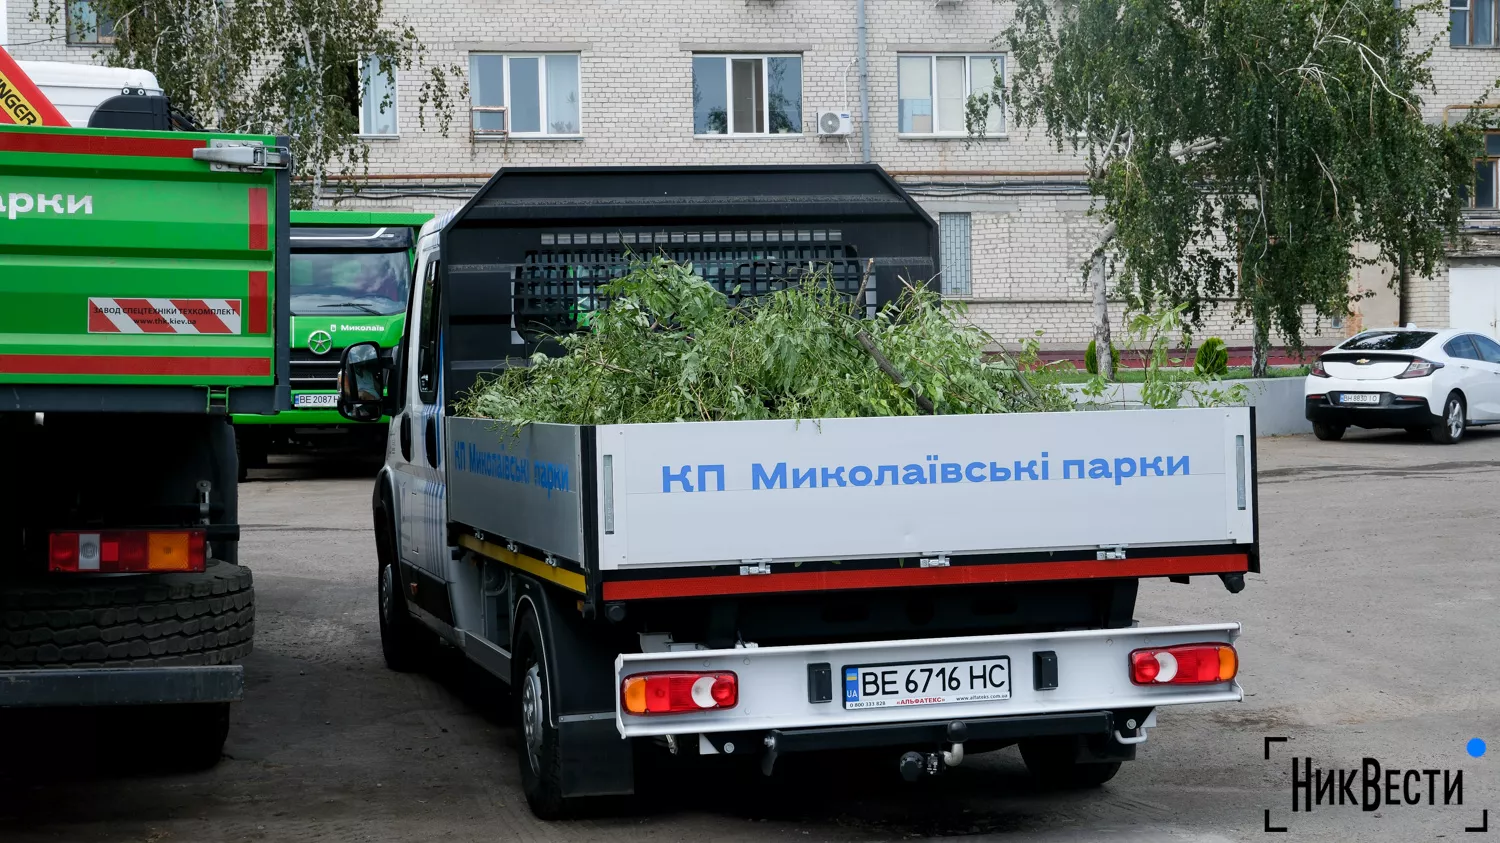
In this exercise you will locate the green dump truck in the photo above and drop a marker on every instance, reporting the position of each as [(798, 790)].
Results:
[(350, 277), (141, 306)]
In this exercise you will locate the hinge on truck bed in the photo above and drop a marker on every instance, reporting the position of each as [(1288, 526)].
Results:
[(936, 560), (1111, 552), (226, 156), (755, 566)]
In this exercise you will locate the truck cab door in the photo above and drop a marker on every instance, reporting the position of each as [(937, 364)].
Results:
[(418, 463)]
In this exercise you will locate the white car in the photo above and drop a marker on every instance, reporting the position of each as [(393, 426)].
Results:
[(1438, 382)]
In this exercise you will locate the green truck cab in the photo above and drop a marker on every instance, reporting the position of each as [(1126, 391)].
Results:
[(350, 282), (141, 305)]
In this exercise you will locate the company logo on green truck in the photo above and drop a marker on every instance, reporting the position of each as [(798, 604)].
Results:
[(16, 204)]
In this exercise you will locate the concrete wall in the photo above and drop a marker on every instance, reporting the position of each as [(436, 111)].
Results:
[(1278, 403)]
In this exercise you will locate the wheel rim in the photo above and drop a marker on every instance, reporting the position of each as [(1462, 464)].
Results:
[(387, 585), (1455, 419), (531, 716)]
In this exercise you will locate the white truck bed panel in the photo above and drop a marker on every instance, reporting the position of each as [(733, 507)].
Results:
[(1167, 478)]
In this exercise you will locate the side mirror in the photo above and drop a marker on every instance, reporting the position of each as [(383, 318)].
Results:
[(362, 377)]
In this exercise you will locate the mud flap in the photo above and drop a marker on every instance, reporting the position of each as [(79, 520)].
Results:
[(596, 761)]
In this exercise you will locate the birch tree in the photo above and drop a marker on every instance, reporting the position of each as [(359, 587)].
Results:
[(1239, 149), (293, 67)]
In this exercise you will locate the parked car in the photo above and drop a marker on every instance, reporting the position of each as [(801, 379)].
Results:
[(1429, 381)]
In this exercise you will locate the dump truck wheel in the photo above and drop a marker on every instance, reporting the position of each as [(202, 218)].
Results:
[(541, 760), (147, 620), (1054, 764)]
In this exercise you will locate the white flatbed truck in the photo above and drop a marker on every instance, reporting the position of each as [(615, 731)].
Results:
[(937, 585)]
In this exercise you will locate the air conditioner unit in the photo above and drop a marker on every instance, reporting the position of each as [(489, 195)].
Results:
[(835, 123)]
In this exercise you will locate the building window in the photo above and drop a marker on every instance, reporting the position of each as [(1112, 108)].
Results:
[(1483, 194), (1472, 23), (377, 100), (747, 95), (524, 95), (934, 93), (87, 26), (953, 254)]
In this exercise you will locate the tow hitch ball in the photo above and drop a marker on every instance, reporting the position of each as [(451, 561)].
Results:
[(914, 765)]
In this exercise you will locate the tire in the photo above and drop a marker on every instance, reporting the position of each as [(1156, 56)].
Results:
[(182, 738), (1328, 432), (252, 450), (541, 760), (143, 620), (1053, 763), (401, 638), (1455, 421)]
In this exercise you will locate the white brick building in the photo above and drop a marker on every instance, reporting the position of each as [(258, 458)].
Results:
[(612, 82)]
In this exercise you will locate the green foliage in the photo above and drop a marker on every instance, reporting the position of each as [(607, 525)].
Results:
[(1163, 384), (1091, 358), (1240, 148), (276, 67), (669, 347), (1212, 358)]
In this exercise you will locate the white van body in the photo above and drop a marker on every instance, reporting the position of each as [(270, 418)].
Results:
[(78, 89)]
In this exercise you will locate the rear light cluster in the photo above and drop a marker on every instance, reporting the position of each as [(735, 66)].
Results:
[(127, 551), (1184, 664), (1419, 368), (1317, 370), (678, 693)]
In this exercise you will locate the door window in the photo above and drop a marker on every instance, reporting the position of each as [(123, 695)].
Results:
[(427, 337), (1461, 347), (1488, 349)]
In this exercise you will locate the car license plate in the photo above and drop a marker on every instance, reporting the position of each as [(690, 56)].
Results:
[(927, 683), (321, 399), (1359, 398)]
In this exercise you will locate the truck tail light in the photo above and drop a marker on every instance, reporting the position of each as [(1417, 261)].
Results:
[(1184, 664), (678, 693), (127, 551)]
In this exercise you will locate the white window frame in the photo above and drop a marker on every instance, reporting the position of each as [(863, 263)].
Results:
[(367, 109), (765, 82), (961, 131), (541, 94), (1467, 6)]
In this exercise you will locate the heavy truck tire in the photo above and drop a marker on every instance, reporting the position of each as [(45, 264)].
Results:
[(1054, 764), (146, 620)]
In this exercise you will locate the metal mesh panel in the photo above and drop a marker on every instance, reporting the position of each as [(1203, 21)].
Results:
[(557, 287)]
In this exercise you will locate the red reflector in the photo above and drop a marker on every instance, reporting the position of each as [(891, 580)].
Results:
[(1316, 397), (676, 693), (127, 551), (1184, 664)]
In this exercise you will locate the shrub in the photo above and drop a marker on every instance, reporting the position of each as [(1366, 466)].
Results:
[(1212, 359), (1091, 358)]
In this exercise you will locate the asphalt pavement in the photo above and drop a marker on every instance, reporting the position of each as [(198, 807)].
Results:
[(1371, 634)]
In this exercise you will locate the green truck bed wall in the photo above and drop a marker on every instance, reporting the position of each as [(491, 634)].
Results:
[(135, 278), (345, 329)]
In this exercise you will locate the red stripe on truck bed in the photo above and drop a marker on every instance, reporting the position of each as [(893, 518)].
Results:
[(99, 364), (259, 284), (260, 220), (99, 145), (909, 577)]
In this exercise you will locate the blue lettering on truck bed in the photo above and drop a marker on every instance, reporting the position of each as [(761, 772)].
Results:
[(554, 477), (933, 471)]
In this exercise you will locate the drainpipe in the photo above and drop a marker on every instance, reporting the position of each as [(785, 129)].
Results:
[(864, 80)]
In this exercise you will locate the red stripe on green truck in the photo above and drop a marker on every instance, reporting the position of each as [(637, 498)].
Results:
[(100, 364), (258, 303), (259, 220), (101, 145)]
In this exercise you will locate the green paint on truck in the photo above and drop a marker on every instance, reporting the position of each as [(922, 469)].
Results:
[(349, 282)]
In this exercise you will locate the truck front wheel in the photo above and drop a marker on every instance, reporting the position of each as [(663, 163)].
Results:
[(1054, 764), (400, 638)]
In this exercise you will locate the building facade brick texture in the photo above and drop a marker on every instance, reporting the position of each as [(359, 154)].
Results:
[(1028, 205)]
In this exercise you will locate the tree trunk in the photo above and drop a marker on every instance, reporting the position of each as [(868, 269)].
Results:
[(1260, 350), (1102, 342)]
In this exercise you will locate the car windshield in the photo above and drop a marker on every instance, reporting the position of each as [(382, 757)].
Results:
[(1388, 341), (349, 283)]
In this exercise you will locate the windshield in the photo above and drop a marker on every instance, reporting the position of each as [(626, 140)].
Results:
[(1388, 341), (349, 283)]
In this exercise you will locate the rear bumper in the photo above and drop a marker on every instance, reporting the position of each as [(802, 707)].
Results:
[(1392, 411), (121, 686), (778, 690)]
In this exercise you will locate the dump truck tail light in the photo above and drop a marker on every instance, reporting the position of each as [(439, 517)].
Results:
[(1184, 664), (127, 551), (678, 693)]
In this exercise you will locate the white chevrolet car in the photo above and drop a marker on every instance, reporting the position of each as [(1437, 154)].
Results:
[(1438, 382)]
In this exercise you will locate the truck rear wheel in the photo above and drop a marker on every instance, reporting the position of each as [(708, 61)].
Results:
[(1054, 764), (541, 760), (154, 620)]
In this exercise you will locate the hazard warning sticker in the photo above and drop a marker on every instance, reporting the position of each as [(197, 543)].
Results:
[(164, 316)]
